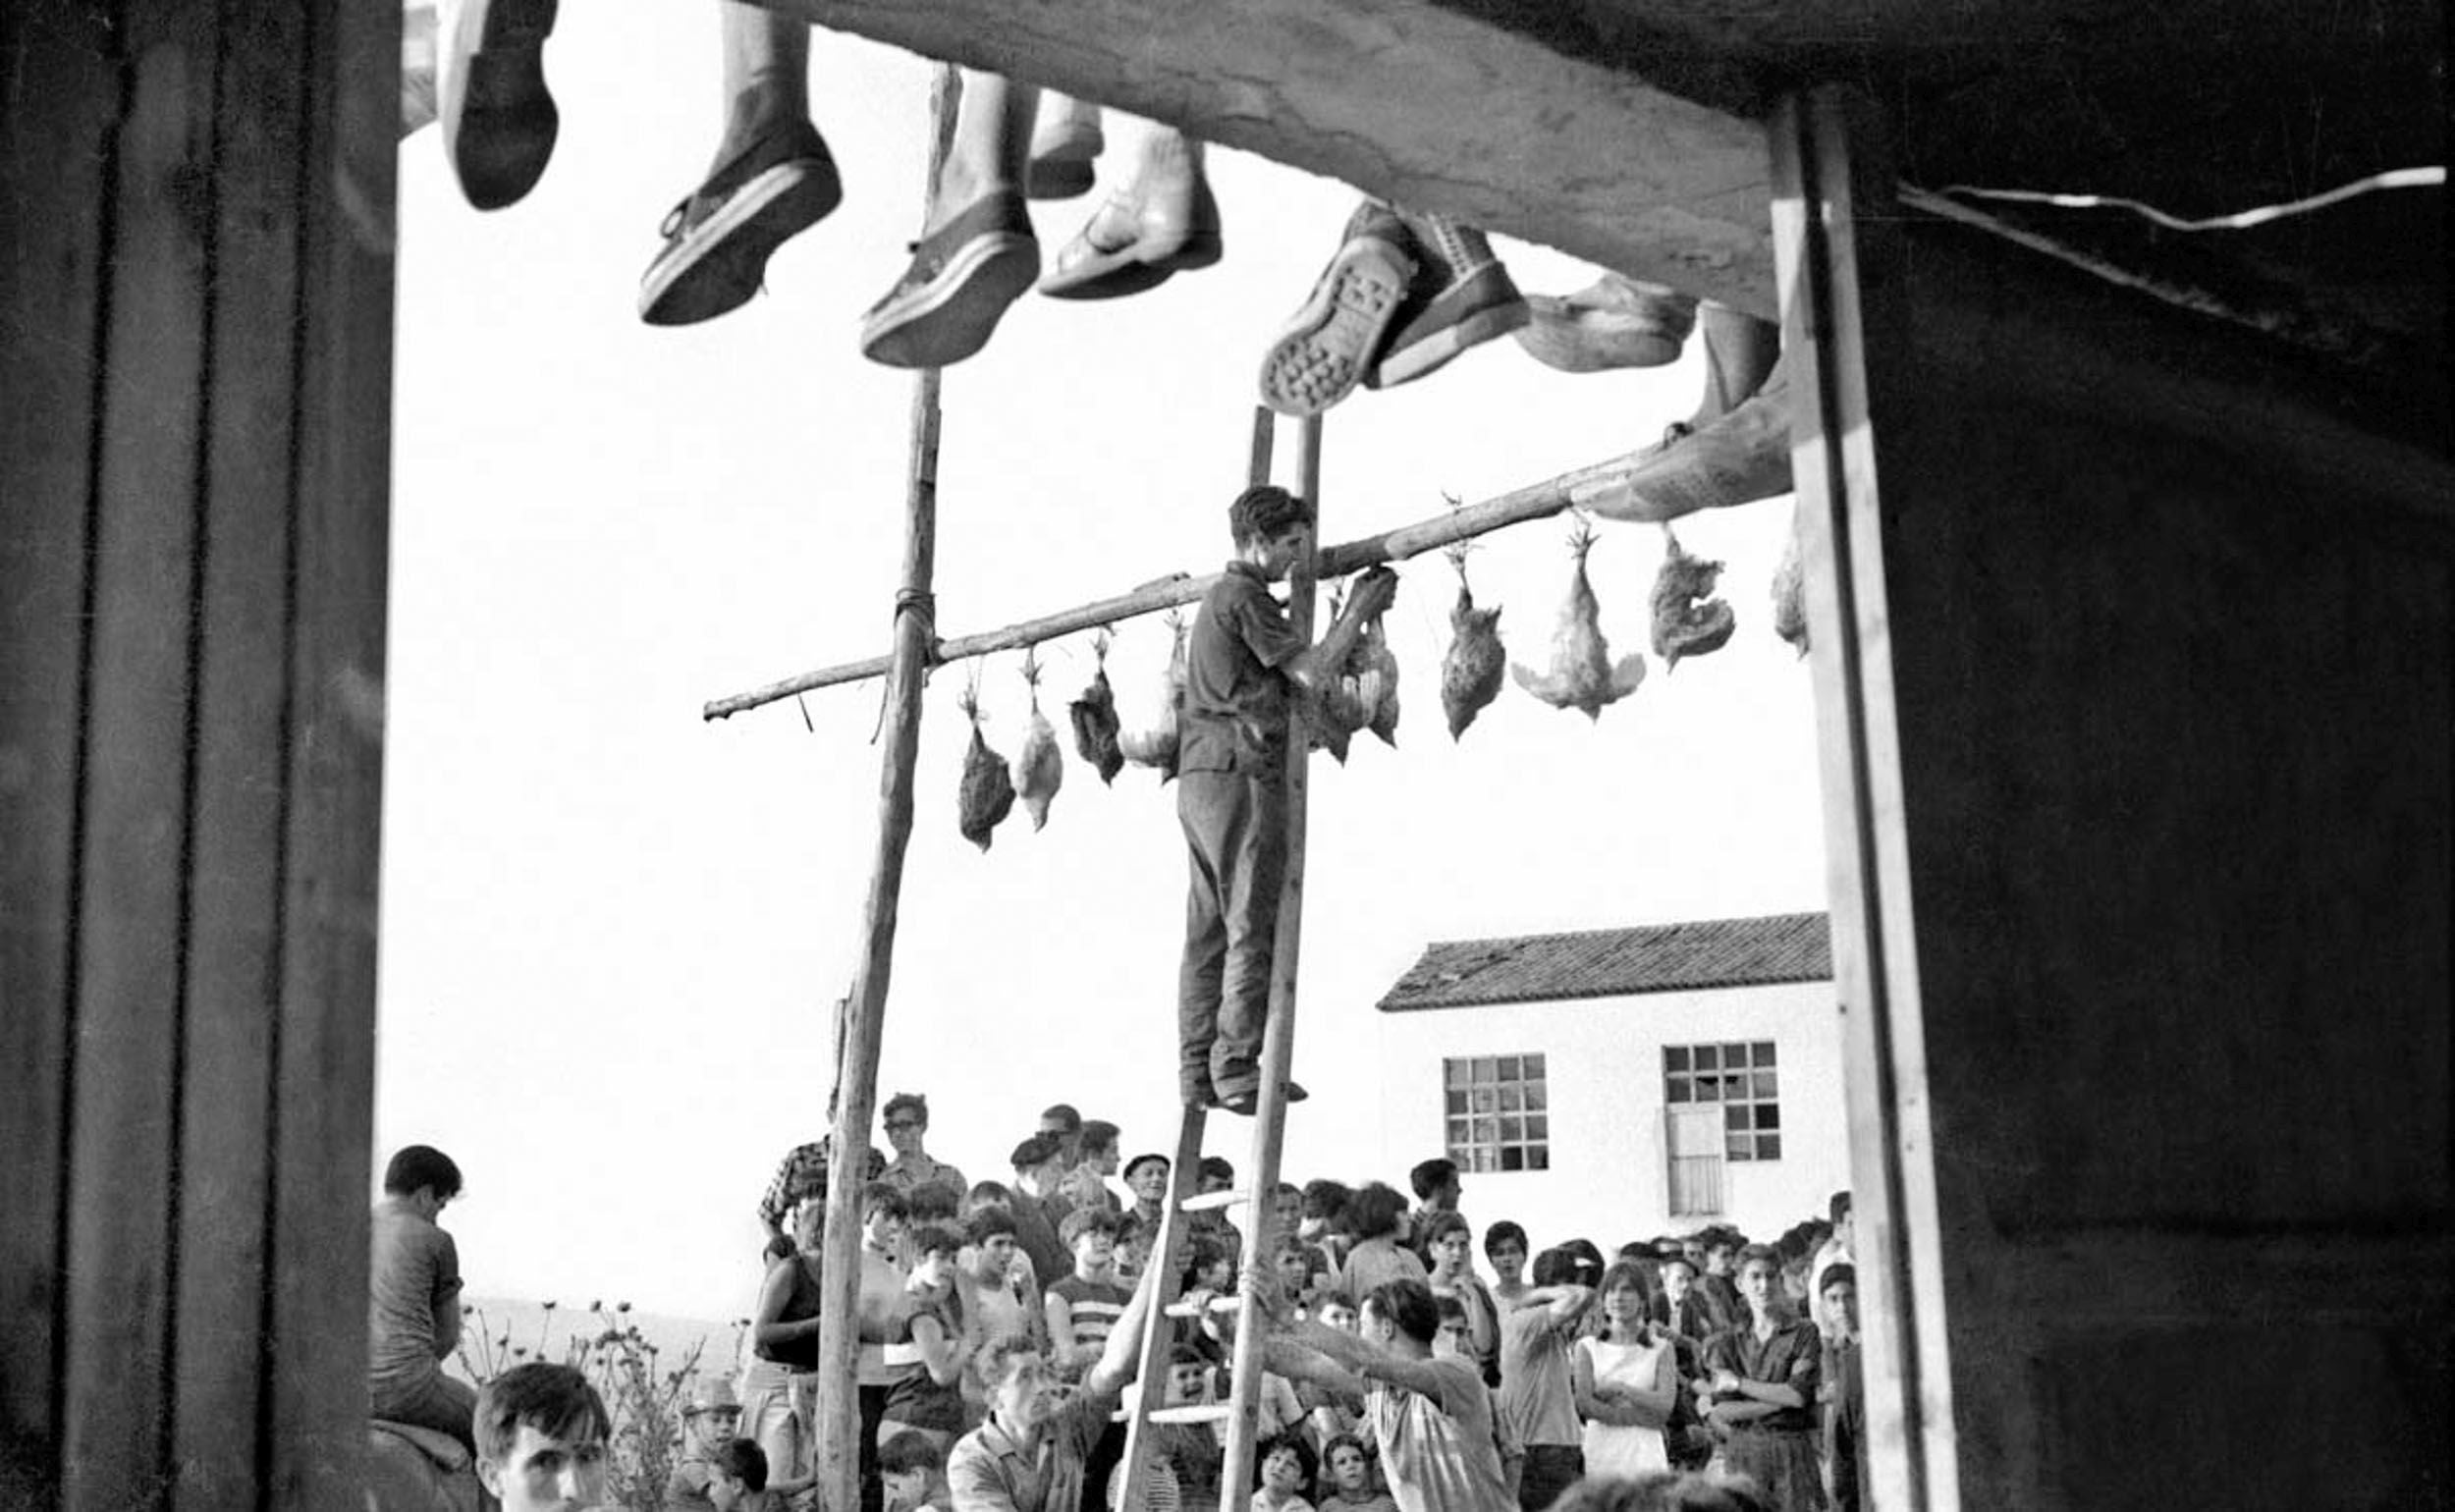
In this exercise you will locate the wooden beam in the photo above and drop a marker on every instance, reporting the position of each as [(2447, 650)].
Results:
[(864, 1012), (1442, 107), (1536, 501)]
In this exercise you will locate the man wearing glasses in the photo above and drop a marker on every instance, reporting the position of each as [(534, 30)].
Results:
[(908, 1120)]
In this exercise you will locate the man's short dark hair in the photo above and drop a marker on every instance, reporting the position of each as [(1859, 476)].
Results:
[(1376, 1210), (745, 1461), (1839, 1272), (1037, 1151), (932, 1202), (1264, 511), (1506, 1232), (905, 1103), (1430, 1176), (1294, 1443), (1098, 1134), (1327, 1199), (1085, 1220), (907, 1451), (1217, 1167), (1410, 1305), (1443, 1225), (422, 1166), (933, 1239), (884, 1197), (987, 1223), (1068, 1118), (1556, 1266), (553, 1399)]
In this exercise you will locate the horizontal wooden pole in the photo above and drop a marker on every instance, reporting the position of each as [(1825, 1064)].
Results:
[(1536, 501)]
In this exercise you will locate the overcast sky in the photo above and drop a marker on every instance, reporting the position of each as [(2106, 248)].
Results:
[(610, 932)]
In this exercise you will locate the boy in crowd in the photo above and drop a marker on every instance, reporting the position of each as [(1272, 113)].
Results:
[(1083, 1306), (1086, 1185), (1721, 1281), (1455, 1341), (1146, 1177), (1537, 1393), (1242, 663), (1038, 1207), (741, 1484), (1436, 1187), (1430, 1413), (1838, 1249), (1505, 1245), (1842, 1390), (885, 1307), (1216, 1175), (541, 1433), (413, 1297), (1286, 1473), (1347, 1472), (1064, 1120), (802, 1177), (1031, 1455), (906, 1118), (710, 1423), (915, 1474)]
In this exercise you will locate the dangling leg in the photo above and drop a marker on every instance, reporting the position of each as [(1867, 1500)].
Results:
[(499, 121), (976, 254), (1164, 220), (1614, 322), (1734, 450), (1064, 145), (1461, 297), (772, 177), (1323, 351)]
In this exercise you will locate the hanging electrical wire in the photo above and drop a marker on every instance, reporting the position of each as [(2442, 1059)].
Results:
[(2241, 220)]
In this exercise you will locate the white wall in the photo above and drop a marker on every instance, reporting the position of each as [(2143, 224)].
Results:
[(1603, 1065)]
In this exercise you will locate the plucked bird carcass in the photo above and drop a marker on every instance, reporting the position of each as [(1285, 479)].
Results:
[(1094, 717), (988, 793), (1687, 620), (1380, 680), (1582, 674), (1039, 768), (1790, 593), (1344, 704), (1471, 670), (1154, 744)]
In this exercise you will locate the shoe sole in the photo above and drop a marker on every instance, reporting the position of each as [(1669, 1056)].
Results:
[(499, 119), (721, 262), (1573, 346), (1436, 350), (1324, 351), (990, 273)]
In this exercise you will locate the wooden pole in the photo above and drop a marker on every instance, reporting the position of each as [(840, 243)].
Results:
[(1269, 1113), (1536, 501), (863, 1018)]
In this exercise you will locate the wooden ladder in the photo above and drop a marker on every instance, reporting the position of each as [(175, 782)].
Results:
[(1241, 1411)]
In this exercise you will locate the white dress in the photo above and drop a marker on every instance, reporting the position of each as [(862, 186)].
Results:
[(1611, 1448)]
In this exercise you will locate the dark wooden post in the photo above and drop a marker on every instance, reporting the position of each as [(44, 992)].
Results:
[(2135, 670), (196, 331)]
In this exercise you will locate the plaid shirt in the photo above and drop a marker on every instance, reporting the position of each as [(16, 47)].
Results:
[(804, 1176)]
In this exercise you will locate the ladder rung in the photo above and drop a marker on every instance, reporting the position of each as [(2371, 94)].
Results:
[(1226, 1303), (1204, 1201), (1192, 1412)]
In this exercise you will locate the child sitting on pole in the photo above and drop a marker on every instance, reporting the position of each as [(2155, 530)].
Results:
[(1241, 661)]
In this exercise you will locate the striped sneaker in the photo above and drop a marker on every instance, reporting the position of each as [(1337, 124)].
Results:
[(962, 279), (717, 242)]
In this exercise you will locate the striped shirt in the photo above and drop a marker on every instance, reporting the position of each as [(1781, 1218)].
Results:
[(1095, 1306)]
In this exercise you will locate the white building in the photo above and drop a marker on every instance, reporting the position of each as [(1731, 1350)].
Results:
[(1622, 1084)]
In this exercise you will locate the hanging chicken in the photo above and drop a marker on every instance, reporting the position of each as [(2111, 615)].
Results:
[(1583, 675), (1471, 670), (1039, 769), (1155, 744), (1687, 621), (1381, 678), (1344, 704), (1095, 718), (988, 793), (1790, 592)]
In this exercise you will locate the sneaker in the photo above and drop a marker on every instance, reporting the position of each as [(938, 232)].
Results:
[(717, 242), (499, 121), (1242, 1104), (1324, 349), (1738, 459), (1461, 298), (1616, 322), (961, 280), (1063, 147), (1165, 221)]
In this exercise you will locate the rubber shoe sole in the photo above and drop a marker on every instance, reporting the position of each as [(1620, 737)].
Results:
[(499, 119), (1434, 341), (1323, 351), (940, 323), (716, 265)]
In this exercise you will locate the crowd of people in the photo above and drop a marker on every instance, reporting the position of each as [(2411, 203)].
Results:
[(1414, 1362)]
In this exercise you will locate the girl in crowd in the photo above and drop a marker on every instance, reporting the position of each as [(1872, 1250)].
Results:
[(1625, 1379)]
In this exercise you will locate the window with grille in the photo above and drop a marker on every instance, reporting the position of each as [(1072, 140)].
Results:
[(1743, 1079), (1498, 1113)]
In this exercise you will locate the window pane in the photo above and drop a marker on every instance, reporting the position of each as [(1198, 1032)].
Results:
[(1486, 1132), (1507, 1065), (1537, 1128), (1676, 1091), (1534, 1068), (1454, 1073), (1764, 1084), (1740, 1146), (1734, 1056), (1709, 1089), (1764, 1053), (1769, 1115), (1708, 1057), (1735, 1116), (1513, 1098), (1769, 1146), (1539, 1159), (1512, 1158), (1456, 1100), (1674, 1058), (1536, 1098), (1461, 1134), (1512, 1130), (1734, 1088)]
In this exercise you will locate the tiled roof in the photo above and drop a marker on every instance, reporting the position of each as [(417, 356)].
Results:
[(1617, 962)]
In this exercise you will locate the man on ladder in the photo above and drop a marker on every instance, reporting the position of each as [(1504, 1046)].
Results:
[(1231, 764)]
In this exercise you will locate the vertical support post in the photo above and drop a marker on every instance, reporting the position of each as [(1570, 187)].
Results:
[(863, 1019), (1270, 1113), (1827, 172)]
